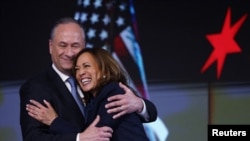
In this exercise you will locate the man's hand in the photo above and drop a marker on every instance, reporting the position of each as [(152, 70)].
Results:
[(93, 133), (46, 115), (124, 103)]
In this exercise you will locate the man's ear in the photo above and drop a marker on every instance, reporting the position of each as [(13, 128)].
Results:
[(50, 46)]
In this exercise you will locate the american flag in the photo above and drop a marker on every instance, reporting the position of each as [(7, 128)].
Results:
[(111, 24)]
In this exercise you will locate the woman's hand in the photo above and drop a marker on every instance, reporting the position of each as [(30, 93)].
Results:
[(46, 115)]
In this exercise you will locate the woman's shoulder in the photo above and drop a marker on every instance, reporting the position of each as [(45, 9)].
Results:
[(112, 84), (112, 88)]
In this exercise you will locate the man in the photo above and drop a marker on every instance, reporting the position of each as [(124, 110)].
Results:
[(67, 39)]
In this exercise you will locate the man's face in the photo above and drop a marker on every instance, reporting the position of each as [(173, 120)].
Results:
[(67, 41)]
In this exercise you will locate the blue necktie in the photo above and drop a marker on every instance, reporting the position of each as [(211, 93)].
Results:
[(75, 94)]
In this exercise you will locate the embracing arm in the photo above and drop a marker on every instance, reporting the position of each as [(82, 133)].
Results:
[(122, 104), (48, 116), (150, 111), (36, 127), (57, 125)]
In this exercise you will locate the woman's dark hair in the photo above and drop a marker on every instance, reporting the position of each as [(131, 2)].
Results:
[(109, 67)]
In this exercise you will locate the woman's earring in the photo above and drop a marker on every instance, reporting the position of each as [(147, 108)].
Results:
[(104, 76)]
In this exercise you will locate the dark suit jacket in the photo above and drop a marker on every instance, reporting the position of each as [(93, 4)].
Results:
[(126, 128), (48, 85)]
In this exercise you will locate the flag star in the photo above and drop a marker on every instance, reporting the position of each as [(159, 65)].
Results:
[(86, 3), (103, 35), (122, 7), (83, 17), (120, 21), (94, 18), (97, 3), (105, 47), (88, 45), (77, 16), (106, 19), (91, 33)]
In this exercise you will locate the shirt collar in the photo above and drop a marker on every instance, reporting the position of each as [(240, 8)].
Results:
[(65, 77), (61, 75)]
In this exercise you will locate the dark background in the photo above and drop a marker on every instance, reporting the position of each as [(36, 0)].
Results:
[(171, 36)]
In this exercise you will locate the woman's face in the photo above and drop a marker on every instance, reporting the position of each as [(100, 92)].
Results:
[(87, 72)]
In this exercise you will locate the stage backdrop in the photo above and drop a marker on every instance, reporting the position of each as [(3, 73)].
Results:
[(180, 41), (191, 58)]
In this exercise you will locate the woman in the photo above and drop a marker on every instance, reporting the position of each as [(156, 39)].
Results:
[(98, 75)]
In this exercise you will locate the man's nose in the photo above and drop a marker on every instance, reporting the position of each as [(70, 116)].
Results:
[(69, 51)]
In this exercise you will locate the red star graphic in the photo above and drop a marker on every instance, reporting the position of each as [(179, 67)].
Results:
[(223, 43)]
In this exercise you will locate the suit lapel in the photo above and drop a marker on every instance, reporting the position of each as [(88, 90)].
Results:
[(64, 94)]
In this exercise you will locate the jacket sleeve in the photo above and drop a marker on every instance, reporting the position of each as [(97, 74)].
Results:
[(152, 111), (33, 130), (60, 126)]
